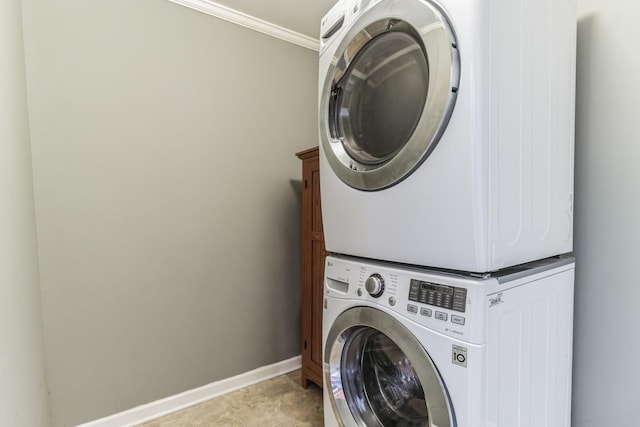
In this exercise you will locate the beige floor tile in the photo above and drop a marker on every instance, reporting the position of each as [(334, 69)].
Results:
[(278, 402)]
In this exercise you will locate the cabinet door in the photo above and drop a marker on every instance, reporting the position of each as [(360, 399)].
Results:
[(313, 255), (318, 255)]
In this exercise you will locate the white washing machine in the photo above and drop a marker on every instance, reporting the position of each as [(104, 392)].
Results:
[(416, 347), (446, 130)]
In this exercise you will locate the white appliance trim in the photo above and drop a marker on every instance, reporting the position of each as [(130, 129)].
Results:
[(150, 411), (228, 14)]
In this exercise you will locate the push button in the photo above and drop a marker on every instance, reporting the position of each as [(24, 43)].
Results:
[(412, 308), (458, 320), (441, 316), (425, 312)]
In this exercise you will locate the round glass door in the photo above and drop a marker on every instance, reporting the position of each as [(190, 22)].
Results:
[(388, 94), (380, 384), (379, 100), (380, 375)]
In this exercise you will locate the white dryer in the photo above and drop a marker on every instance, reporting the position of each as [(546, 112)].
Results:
[(446, 130), (416, 347)]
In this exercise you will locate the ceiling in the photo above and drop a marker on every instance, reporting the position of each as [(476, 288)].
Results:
[(301, 16)]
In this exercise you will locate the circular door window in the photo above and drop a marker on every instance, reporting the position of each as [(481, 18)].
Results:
[(380, 375), (388, 94), (378, 102)]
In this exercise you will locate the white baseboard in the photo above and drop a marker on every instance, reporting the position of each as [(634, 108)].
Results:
[(168, 405)]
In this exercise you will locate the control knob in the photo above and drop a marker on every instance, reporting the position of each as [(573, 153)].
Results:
[(374, 285)]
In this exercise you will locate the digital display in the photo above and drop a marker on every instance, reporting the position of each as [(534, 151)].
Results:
[(438, 295), (442, 289)]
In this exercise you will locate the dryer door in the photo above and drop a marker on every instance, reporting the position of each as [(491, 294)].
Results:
[(389, 92), (380, 375)]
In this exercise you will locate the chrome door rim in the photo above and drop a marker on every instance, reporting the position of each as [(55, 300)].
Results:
[(438, 405), (440, 50)]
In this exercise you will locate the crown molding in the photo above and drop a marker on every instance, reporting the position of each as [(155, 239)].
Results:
[(223, 12)]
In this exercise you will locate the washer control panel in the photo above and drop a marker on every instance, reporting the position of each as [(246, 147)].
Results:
[(448, 303), (438, 295)]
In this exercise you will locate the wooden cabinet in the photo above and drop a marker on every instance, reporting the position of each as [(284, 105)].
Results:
[(313, 255)]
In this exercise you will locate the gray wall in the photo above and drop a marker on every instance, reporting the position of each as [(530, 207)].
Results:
[(167, 198), (607, 231), (23, 399)]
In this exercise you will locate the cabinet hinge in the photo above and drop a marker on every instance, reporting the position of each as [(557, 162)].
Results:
[(305, 183), (305, 345)]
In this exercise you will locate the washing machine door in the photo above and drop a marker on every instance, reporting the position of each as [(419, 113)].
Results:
[(380, 375), (388, 93)]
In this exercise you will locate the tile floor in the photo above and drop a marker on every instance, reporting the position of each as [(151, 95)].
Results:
[(278, 402)]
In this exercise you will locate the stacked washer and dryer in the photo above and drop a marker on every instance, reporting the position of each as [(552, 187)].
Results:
[(446, 169)]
